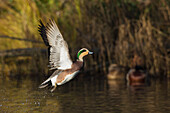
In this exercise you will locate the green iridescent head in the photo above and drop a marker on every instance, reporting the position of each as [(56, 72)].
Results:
[(83, 52)]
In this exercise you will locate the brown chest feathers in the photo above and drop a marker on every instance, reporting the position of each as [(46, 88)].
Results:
[(75, 67)]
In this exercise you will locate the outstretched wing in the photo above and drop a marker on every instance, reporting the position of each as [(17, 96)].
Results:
[(59, 57)]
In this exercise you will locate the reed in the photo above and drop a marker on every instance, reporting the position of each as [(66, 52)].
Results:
[(115, 30)]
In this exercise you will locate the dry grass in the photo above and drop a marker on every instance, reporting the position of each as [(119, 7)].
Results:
[(115, 30)]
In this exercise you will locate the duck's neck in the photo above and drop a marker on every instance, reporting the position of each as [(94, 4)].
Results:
[(80, 59)]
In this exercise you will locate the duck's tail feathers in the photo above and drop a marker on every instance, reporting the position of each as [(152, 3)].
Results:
[(45, 84)]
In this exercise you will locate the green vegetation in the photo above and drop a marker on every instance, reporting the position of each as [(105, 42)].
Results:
[(115, 30)]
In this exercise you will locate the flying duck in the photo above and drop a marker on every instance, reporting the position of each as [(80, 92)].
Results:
[(59, 58)]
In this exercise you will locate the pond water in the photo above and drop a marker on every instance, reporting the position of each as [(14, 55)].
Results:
[(84, 94)]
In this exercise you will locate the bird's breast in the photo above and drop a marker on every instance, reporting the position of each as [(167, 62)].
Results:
[(67, 78)]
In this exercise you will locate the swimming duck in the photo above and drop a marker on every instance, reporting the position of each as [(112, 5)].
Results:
[(116, 72), (136, 76), (59, 57)]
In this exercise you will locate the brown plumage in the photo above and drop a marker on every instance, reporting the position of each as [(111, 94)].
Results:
[(116, 72), (136, 75), (59, 57), (75, 67)]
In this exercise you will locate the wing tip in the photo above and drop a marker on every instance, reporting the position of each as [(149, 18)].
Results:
[(42, 32), (52, 25)]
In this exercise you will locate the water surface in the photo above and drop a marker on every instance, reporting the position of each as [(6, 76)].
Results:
[(84, 94)]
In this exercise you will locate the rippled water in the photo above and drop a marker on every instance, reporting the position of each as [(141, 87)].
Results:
[(84, 94)]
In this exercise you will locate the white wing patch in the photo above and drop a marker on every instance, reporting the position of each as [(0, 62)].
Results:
[(59, 54), (65, 62)]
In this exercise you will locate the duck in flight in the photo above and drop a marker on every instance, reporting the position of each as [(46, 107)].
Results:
[(59, 57)]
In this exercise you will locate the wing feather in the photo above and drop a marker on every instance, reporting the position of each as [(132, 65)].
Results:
[(59, 57)]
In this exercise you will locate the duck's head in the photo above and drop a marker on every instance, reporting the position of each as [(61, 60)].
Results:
[(83, 52)]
